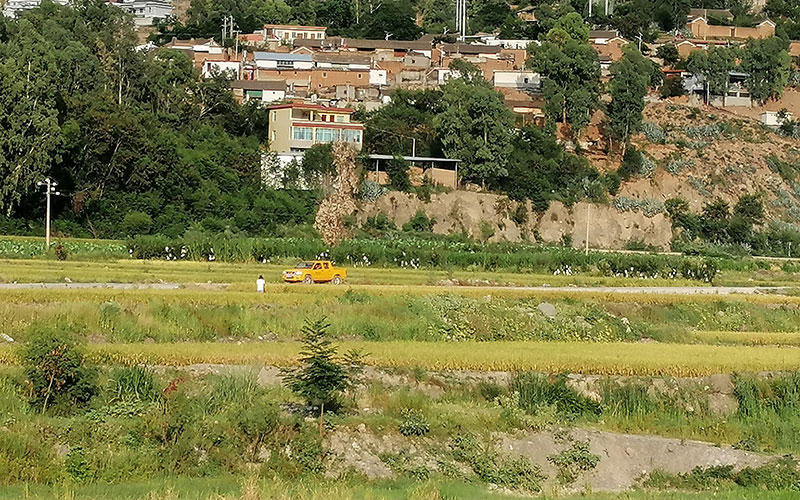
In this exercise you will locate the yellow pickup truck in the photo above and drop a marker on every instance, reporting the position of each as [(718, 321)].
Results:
[(315, 271)]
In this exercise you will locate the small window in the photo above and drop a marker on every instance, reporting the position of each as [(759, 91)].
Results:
[(359, 76), (273, 135), (326, 265), (324, 75), (274, 115), (317, 266)]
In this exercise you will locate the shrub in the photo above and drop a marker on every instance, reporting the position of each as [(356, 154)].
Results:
[(61, 252), (573, 461), (397, 170), (672, 87), (370, 191), (536, 391), (516, 473), (650, 207), (136, 222), (55, 368), (379, 222), (675, 166), (414, 423), (419, 223), (133, 383), (654, 133), (647, 167), (631, 163)]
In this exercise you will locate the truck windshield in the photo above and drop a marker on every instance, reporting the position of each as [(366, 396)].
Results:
[(304, 265)]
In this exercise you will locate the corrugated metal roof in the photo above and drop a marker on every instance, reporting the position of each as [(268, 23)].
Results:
[(281, 56)]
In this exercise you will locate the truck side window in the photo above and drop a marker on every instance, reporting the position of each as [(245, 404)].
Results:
[(326, 265), (317, 266)]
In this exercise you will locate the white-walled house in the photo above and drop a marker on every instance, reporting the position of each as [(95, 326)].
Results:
[(517, 79), (267, 91), (230, 68)]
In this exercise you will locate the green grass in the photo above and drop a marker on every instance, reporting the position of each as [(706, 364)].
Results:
[(748, 338), (551, 357), (231, 487), (381, 312)]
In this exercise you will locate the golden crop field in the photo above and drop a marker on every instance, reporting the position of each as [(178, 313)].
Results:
[(552, 357)]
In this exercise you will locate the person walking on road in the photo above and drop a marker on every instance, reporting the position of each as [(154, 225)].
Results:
[(260, 284)]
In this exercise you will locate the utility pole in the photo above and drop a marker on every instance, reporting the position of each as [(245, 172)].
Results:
[(50, 184), (461, 19), (224, 29), (588, 220), (606, 8), (639, 37), (590, 8), (414, 146)]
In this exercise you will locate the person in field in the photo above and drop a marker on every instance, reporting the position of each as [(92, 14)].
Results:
[(260, 284)]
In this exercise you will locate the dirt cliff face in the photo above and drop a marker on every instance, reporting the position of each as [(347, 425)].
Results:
[(697, 154), (489, 217)]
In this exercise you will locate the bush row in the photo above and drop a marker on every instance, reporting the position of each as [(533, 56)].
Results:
[(416, 253)]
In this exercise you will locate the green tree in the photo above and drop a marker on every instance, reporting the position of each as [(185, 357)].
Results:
[(713, 66), (321, 377), (407, 118), (393, 19), (715, 218), (671, 14), (467, 71), (488, 15), (30, 135), (768, 66), (397, 170), (630, 80), (55, 368), (572, 71), (750, 207), (572, 24), (475, 127), (668, 52)]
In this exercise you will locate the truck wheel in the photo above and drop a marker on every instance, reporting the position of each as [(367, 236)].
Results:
[(337, 280), (308, 279)]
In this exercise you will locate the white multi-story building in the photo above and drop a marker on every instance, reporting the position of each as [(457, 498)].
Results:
[(289, 32), (146, 12), (13, 8)]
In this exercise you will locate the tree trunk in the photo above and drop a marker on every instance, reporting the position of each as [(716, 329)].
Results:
[(47, 396), (321, 419)]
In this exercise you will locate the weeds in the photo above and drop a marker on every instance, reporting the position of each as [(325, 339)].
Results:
[(573, 461)]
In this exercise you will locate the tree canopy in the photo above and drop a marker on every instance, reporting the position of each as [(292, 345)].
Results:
[(476, 127), (572, 70), (126, 131)]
